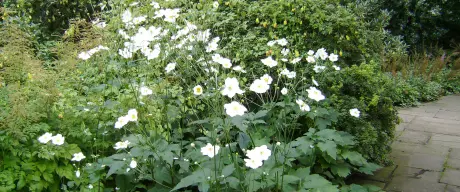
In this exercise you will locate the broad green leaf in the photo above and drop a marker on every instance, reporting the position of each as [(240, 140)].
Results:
[(354, 157), (114, 166), (329, 147), (233, 182), (315, 181), (243, 140), (290, 179), (302, 172), (195, 178), (328, 134), (260, 114), (238, 121), (341, 170), (369, 168), (228, 170)]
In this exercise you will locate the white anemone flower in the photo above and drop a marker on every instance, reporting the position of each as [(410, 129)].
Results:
[(210, 150), (333, 57), (78, 156), (311, 59), (84, 55), (285, 51), (77, 173), (285, 71), (45, 138), (314, 82), (296, 60), (291, 75), (235, 109), (259, 86), (355, 112), (321, 53), (311, 52), (282, 42), (170, 67), (284, 91), (231, 87), (121, 145), (122, 121), (198, 90), (155, 5), (212, 46), (319, 68), (337, 68), (239, 68), (253, 163), (271, 43), (302, 105), (267, 79), (58, 139), (126, 17), (145, 91), (226, 63), (261, 153), (132, 115), (315, 94), (140, 19), (269, 62), (133, 164), (215, 4)]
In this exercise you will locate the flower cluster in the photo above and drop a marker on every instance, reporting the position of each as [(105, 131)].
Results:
[(87, 54), (256, 156), (123, 120), (56, 140)]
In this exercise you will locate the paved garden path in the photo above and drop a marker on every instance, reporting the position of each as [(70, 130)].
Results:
[(426, 151)]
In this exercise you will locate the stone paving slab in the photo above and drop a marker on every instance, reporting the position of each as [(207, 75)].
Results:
[(451, 188), (451, 177), (414, 137), (446, 140), (426, 151)]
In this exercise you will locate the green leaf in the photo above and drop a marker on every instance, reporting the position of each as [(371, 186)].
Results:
[(329, 147), (196, 177), (354, 157), (238, 121), (114, 166), (315, 181), (328, 134), (260, 114), (228, 170), (302, 172), (233, 182), (369, 168), (290, 179), (243, 140), (341, 170)]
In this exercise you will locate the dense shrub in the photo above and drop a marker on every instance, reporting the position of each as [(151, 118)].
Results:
[(53, 15), (423, 24)]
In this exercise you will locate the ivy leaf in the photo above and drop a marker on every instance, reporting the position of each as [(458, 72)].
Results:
[(228, 170), (341, 170), (329, 147)]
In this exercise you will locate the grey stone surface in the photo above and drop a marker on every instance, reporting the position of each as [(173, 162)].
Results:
[(426, 151), (455, 153), (451, 177), (453, 115), (453, 163), (445, 140), (418, 137), (435, 125), (451, 188)]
